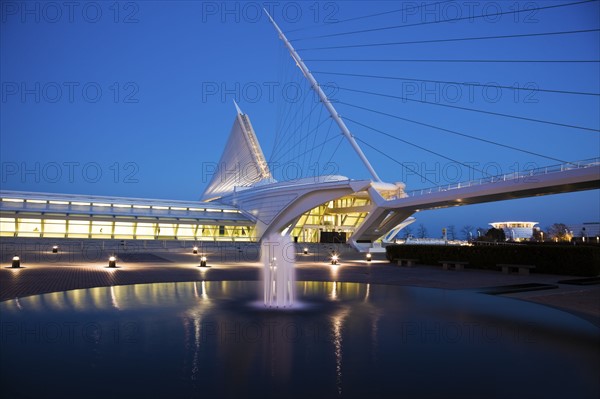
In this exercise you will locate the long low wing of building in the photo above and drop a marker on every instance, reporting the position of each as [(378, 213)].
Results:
[(44, 215)]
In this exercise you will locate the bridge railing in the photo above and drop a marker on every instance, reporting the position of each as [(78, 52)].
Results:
[(526, 174)]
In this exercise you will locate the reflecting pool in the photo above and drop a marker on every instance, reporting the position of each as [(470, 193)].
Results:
[(216, 339)]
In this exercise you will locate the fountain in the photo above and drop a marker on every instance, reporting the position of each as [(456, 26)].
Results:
[(278, 259)]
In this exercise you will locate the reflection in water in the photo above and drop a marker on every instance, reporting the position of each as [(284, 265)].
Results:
[(206, 339), (195, 366), (202, 294), (193, 319), (113, 297), (196, 289), (337, 326), (375, 315)]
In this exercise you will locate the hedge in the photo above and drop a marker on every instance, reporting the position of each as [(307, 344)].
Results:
[(567, 260)]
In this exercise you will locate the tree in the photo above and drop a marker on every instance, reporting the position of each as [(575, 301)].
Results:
[(451, 232), (407, 231), (467, 231), (422, 231), (559, 232), (496, 234)]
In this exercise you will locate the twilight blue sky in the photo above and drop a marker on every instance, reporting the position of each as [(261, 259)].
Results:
[(135, 98)]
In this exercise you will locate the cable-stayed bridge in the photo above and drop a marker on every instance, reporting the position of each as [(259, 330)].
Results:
[(281, 206)]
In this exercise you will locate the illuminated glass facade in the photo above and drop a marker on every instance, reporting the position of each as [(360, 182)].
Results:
[(63, 216), (37, 215), (343, 215)]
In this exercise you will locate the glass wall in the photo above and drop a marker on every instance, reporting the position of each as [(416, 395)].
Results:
[(146, 231), (79, 228), (124, 230), (55, 228), (343, 214), (121, 229), (7, 227), (29, 227)]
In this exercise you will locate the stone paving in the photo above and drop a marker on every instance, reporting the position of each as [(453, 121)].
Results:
[(44, 272)]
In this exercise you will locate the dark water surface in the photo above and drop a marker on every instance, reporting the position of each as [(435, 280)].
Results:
[(214, 339)]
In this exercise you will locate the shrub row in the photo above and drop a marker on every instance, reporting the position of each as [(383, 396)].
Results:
[(567, 260)]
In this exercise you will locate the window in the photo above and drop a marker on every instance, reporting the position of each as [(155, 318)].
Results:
[(7, 227), (145, 230), (79, 228), (101, 229), (186, 231), (30, 227), (124, 230), (166, 230), (55, 228)]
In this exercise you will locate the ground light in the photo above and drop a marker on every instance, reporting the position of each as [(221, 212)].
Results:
[(203, 261), (55, 249), (305, 251), (195, 250), (334, 259), (112, 261), (368, 256), (16, 262)]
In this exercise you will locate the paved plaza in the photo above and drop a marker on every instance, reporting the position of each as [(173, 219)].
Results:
[(85, 264)]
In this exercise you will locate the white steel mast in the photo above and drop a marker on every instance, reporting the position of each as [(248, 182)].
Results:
[(332, 111)]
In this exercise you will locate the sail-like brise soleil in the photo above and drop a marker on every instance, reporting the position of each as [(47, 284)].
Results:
[(242, 164)]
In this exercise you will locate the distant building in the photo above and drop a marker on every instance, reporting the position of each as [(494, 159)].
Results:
[(516, 231), (586, 229)]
